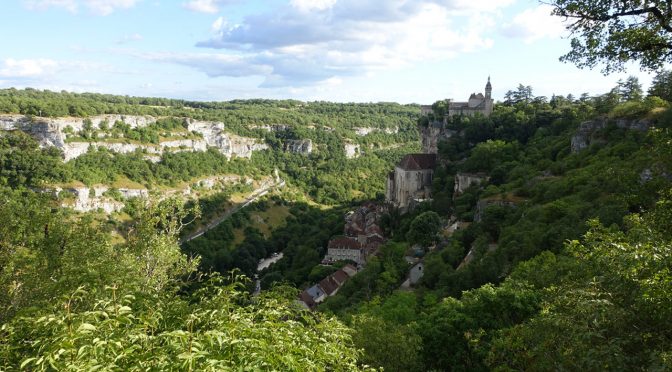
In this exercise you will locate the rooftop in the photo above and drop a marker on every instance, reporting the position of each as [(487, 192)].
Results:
[(418, 162)]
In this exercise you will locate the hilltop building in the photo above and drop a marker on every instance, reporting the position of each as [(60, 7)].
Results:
[(411, 180), (477, 104)]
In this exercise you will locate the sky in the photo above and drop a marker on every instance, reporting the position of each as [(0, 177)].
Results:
[(406, 51)]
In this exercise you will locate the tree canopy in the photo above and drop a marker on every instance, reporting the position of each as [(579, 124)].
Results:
[(612, 32)]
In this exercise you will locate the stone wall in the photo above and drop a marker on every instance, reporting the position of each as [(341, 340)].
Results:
[(409, 185)]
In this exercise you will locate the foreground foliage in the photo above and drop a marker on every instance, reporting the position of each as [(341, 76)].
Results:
[(71, 300)]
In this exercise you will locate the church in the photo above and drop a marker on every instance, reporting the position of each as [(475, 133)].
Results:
[(477, 103), (411, 181)]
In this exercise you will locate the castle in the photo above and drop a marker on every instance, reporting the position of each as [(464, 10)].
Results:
[(477, 104), (411, 180)]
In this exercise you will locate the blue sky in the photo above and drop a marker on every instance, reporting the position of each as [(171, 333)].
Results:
[(337, 50)]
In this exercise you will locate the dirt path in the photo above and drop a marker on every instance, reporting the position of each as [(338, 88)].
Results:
[(251, 198)]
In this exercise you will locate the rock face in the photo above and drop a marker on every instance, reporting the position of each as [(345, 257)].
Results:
[(271, 128), (304, 147), (483, 204), (584, 135), (351, 150), (212, 182), (52, 133), (363, 131), (86, 201), (464, 180), (432, 135)]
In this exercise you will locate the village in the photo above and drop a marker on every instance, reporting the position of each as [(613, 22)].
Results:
[(407, 186)]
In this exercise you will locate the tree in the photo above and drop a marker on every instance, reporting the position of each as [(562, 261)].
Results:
[(615, 32), (392, 346), (661, 86), (630, 89), (424, 228)]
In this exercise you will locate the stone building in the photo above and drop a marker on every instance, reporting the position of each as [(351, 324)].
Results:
[(411, 180), (345, 248), (477, 104)]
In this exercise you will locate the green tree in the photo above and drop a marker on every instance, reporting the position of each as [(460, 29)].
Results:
[(616, 32), (661, 86), (391, 346), (630, 89), (612, 309), (424, 229)]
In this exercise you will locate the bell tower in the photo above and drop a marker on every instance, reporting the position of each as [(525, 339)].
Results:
[(489, 103)]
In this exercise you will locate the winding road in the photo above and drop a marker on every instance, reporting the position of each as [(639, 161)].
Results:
[(254, 195)]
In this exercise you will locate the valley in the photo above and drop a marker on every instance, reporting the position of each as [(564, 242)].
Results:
[(414, 229)]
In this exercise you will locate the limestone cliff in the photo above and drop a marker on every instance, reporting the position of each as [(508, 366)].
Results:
[(304, 147), (585, 134), (53, 132)]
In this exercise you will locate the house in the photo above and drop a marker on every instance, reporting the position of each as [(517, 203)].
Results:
[(350, 270), (328, 286), (416, 273), (344, 248), (411, 180)]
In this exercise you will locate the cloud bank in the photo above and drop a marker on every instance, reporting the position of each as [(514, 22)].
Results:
[(311, 41), (99, 7)]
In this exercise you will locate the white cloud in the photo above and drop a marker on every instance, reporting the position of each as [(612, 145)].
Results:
[(27, 68), (99, 7), (308, 5), (313, 41), (213, 65), (205, 6), (218, 25), (129, 38), (535, 24)]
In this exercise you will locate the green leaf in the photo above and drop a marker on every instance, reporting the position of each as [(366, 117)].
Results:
[(26, 362), (86, 327)]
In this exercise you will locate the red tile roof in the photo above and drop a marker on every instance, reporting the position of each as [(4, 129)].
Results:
[(344, 243), (307, 299), (328, 285), (350, 269), (340, 277), (418, 162)]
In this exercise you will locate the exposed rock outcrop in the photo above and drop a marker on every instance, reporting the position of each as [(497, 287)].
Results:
[(464, 180), (585, 134), (363, 131), (271, 128), (52, 132), (212, 182), (483, 204), (304, 146), (352, 150), (432, 135)]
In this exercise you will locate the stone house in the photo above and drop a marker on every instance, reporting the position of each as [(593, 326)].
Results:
[(411, 180), (345, 248)]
